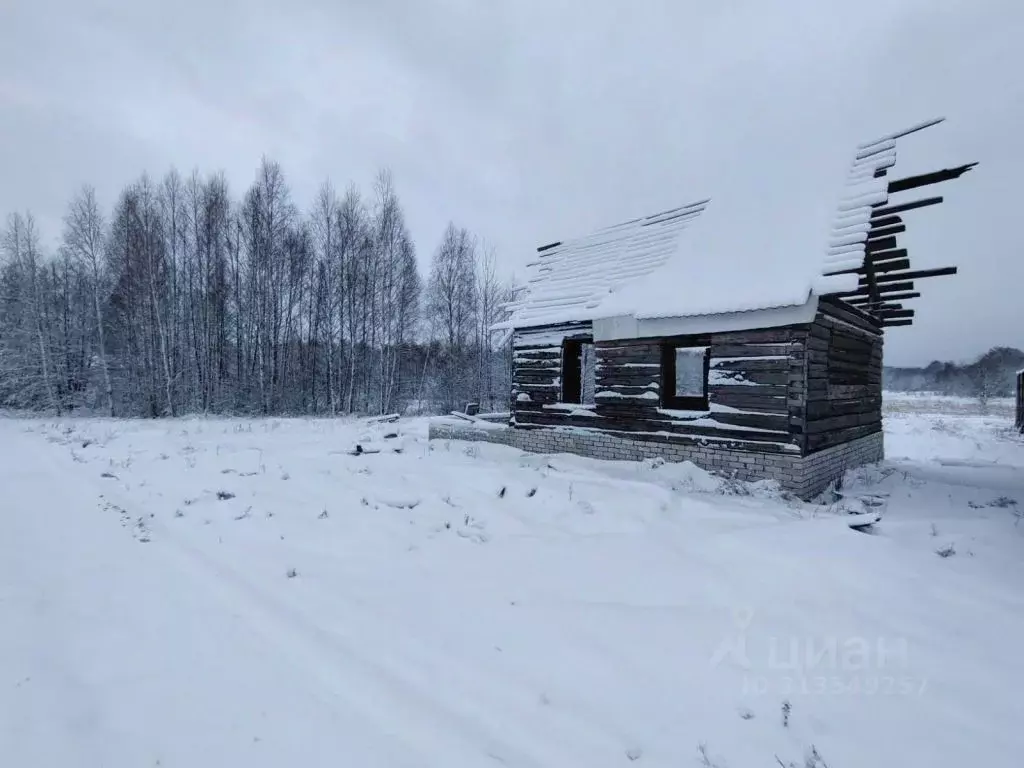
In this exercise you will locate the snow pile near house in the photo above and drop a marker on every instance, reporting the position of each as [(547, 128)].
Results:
[(234, 592)]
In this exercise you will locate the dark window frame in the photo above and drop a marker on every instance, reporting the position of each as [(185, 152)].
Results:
[(572, 369), (669, 399)]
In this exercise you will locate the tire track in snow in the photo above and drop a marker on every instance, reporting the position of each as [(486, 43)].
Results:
[(461, 712), (381, 690), (371, 709)]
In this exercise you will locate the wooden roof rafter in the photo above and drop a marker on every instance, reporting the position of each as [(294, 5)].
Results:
[(884, 271)]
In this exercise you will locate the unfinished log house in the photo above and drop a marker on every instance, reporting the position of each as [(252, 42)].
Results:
[(661, 337)]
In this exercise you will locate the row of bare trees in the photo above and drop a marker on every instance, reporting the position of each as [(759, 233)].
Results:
[(184, 300)]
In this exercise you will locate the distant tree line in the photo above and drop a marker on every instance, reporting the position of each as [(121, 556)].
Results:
[(185, 300), (991, 375)]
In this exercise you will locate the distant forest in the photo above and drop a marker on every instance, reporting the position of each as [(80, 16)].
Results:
[(991, 375), (184, 299)]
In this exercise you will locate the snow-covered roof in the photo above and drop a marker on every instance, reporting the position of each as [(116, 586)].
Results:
[(571, 279), (773, 237)]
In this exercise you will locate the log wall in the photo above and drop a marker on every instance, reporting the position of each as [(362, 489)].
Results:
[(844, 377), (753, 376), (537, 378)]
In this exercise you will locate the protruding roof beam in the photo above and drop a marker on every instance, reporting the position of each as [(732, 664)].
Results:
[(912, 205), (913, 182)]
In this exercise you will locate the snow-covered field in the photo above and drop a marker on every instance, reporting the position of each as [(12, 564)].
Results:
[(247, 593), (928, 402)]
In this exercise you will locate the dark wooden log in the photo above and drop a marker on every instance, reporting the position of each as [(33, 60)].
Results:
[(895, 313), (766, 336), (549, 395), (611, 372), (759, 404), (881, 244), (536, 377), (611, 382), (819, 331), (536, 371), (840, 357), (545, 394), (876, 232), (538, 354), (893, 323), (693, 431), (890, 265), (538, 349), (876, 266), (821, 409), (886, 288), (657, 341), (746, 390), (921, 273), (823, 440), (648, 382), (860, 366), (639, 361), (849, 392), (878, 220), (627, 397), (750, 364), (927, 179), (548, 361), (866, 303), (883, 288), (538, 367), (553, 418), (852, 340), (620, 348), (903, 207), (895, 253), (840, 310), (747, 350), (721, 377), (776, 422), (816, 358)]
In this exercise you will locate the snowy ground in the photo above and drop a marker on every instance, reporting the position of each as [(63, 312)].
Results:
[(246, 593)]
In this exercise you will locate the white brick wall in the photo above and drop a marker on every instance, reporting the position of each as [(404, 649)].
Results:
[(806, 476)]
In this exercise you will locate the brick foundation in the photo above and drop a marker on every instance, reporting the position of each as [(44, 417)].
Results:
[(806, 476)]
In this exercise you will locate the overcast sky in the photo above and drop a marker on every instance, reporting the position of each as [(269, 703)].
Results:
[(534, 120)]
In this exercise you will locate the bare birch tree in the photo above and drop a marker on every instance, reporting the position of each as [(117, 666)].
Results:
[(84, 241), (21, 245), (452, 305)]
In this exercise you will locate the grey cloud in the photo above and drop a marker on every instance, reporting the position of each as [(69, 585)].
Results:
[(532, 121)]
